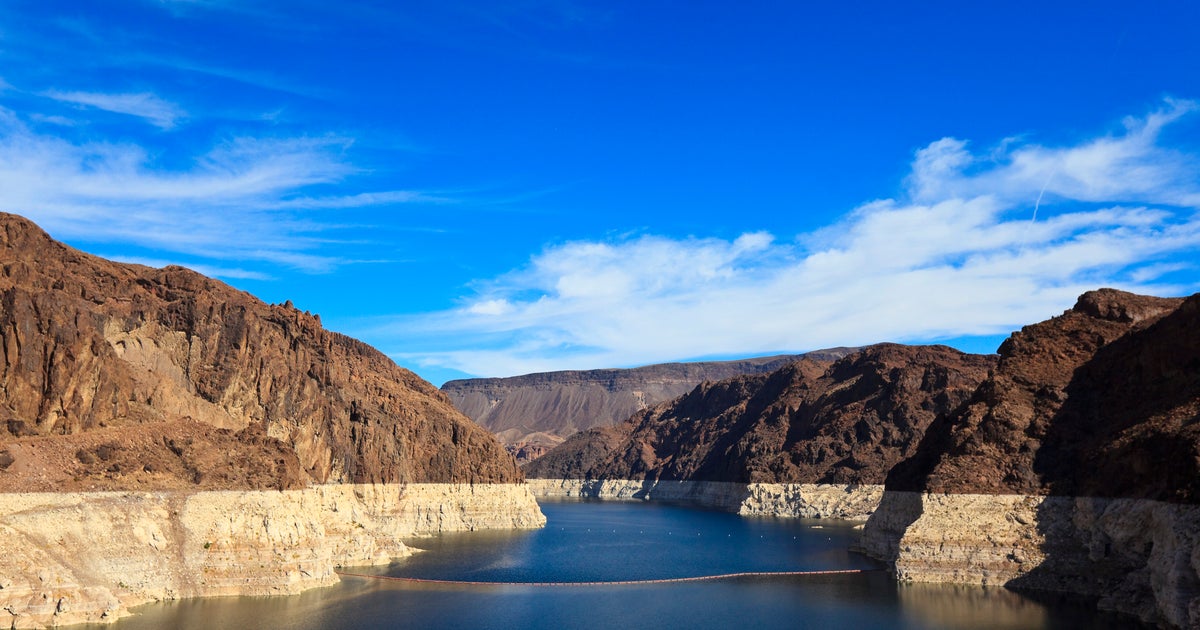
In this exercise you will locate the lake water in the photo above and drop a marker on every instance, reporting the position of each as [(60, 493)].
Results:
[(607, 541)]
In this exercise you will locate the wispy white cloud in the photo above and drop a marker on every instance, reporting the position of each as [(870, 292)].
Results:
[(156, 111), (959, 255), (208, 270), (246, 199), (361, 200), (53, 119)]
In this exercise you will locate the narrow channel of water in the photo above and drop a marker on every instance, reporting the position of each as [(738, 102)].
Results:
[(611, 541)]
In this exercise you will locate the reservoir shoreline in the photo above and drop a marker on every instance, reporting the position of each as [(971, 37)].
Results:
[(87, 557)]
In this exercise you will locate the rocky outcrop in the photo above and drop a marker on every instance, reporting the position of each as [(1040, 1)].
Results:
[(164, 435), (535, 412), (809, 422), (157, 357), (1074, 467), (88, 557), (794, 500)]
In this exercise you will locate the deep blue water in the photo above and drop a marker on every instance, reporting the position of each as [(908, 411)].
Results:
[(605, 541)]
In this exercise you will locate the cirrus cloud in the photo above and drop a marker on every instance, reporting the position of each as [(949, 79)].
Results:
[(245, 199)]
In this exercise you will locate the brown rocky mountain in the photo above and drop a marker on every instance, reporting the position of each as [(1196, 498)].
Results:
[(807, 422), (532, 413), (124, 376), (1102, 401), (1075, 467)]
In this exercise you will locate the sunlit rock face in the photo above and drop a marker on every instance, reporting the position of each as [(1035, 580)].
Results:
[(164, 435), (162, 378)]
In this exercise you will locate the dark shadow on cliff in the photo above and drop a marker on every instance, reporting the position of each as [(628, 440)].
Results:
[(1128, 428)]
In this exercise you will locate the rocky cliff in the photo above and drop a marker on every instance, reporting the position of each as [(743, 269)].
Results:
[(535, 412), (1075, 466), (72, 557), (120, 376), (809, 422), (164, 435)]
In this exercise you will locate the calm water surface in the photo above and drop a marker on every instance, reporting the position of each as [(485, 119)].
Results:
[(594, 541)]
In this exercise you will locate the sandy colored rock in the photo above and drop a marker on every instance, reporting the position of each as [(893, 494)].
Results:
[(792, 500), (87, 557)]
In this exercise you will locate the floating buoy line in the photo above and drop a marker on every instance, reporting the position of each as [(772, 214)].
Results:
[(702, 578)]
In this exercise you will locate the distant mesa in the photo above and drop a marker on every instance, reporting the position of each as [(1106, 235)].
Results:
[(531, 414)]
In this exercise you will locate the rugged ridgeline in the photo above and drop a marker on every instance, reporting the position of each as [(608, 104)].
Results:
[(787, 442), (533, 413), (121, 383), (1075, 466)]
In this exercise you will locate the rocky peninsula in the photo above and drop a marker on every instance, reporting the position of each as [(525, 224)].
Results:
[(164, 435)]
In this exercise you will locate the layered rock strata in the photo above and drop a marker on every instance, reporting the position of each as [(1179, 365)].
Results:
[(87, 557), (1074, 467), (849, 502), (533, 413)]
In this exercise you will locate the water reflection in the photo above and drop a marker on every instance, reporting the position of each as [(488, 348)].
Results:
[(607, 541)]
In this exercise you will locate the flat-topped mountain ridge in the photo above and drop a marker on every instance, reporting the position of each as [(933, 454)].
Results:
[(809, 421), (120, 376), (537, 411)]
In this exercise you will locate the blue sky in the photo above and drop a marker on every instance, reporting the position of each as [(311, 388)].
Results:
[(551, 185)]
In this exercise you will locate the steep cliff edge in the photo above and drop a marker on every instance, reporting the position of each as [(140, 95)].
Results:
[(164, 359), (164, 435), (531, 414), (1074, 467), (808, 422)]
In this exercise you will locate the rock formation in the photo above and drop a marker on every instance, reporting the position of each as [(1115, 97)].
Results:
[(1075, 466), (157, 419), (206, 385), (531, 414), (808, 422)]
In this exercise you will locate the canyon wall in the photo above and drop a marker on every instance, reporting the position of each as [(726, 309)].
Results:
[(117, 376), (531, 414), (809, 422), (794, 500), (1074, 467), (87, 557), (164, 435)]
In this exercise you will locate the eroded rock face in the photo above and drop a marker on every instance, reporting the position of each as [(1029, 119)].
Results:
[(119, 376), (1103, 400), (88, 557), (1074, 467), (533, 413), (810, 422)]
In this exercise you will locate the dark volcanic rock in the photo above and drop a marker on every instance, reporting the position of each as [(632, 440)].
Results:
[(808, 422), (540, 410), (1103, 400), (106, 365)]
